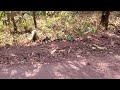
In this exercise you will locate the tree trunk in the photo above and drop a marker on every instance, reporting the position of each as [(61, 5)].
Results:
[(13, 21), (34, 18), (8, 18), (105, 19)]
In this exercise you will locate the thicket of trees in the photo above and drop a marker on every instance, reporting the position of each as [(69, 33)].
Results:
[(15, 21), (7, 17)]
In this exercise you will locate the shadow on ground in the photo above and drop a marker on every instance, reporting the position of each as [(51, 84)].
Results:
[(91, 57)]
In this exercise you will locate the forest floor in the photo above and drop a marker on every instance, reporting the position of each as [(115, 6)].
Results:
[(91, 57)]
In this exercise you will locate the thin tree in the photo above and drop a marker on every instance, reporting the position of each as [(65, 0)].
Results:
[(34, 18), (8, 17), (13, 21)]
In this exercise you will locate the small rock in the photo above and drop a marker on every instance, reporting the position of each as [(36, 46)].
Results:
[(111, 52), (83, 63), (78, 55), (93, 48)]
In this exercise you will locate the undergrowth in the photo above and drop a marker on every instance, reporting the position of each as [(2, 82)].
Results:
[(56, 25)]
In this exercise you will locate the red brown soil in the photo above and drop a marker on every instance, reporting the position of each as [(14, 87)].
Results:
[(80, 59)]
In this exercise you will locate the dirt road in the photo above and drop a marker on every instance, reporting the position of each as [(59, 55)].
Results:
[(90, 58)]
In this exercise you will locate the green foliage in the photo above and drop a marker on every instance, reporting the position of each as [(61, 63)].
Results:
[(2, 13), (24, 22), (54, 24), (1, 25), (89, 29), (54, 13), (69, 37), (78, 32)]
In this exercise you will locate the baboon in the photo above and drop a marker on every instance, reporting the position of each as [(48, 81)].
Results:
[(34, 36), (46, 40)]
